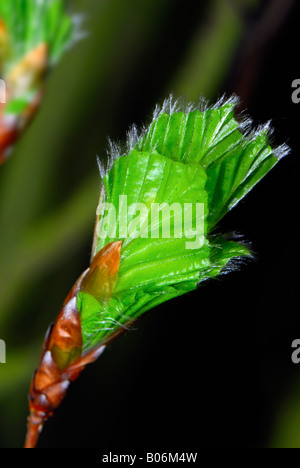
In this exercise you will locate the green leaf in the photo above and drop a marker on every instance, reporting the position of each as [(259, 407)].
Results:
[(148, 178), (144, 284), (234, 174), (233, 159), (187, 156), (193, 136)]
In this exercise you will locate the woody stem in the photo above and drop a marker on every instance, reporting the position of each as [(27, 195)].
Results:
[(33, 431)]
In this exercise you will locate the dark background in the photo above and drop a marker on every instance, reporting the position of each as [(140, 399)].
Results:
[(212, 368)]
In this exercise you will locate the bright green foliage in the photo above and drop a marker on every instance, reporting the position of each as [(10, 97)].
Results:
[(30, 23), (233, 163), (185, 156)]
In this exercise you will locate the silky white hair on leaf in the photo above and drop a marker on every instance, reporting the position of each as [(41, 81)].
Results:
[(282, 151), (171, 106)]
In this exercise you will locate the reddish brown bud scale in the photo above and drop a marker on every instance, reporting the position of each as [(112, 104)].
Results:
[(101, 278), (62, 359), (65, 342)]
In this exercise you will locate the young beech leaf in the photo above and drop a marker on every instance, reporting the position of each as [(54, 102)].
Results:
[(33, 36), (186, 156), (160, 202)]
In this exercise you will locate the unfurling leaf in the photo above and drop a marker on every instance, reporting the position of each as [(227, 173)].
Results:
[(161, 199)]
